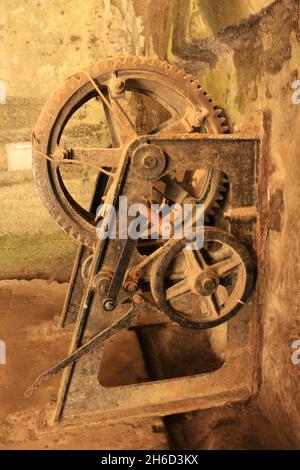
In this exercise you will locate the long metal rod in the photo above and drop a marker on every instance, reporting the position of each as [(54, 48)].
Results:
[(95, 342)]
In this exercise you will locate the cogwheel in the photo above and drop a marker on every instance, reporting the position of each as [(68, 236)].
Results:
[(172, 88)]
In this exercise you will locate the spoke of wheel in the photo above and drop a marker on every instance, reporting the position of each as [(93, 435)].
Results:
[(214, 299), (112, 124), (121, 110), (225, 267), (192, 261), (118, 106), (221, 295), (178, 289), (175, 125), (212, 305), (200, 259), (99, 157), (97, 88)]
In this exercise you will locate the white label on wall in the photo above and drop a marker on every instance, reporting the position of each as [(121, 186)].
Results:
[(19, 156), (2, 92), (2, 352)]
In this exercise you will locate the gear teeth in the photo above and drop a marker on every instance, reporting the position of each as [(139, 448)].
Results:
[(167, 66), (186, 80), (189, 77), (181, 73)]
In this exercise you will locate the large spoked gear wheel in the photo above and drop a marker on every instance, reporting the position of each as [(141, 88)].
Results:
[(187, 105), (203, 288)]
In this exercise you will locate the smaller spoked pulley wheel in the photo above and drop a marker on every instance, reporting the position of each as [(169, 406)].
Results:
[(206, 287)]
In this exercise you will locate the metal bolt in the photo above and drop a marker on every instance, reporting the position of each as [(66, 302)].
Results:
[(60, 153), (130, 286), (109, 305), (198, 119), (116, 85), (149, 161), (208, 284), (102, 281)]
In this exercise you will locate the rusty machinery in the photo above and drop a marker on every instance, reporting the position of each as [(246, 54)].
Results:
[(180, 151)]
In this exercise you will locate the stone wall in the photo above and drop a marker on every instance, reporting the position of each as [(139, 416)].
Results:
[(246, 54), (42, 43), (248, 61)]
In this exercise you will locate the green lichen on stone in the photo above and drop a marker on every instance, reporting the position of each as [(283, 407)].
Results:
[(36, 256)]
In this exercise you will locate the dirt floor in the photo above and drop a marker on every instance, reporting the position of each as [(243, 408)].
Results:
[(29, 311), (29, 314)]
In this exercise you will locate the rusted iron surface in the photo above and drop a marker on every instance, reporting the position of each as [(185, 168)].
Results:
[(177, 92), (186, 157)]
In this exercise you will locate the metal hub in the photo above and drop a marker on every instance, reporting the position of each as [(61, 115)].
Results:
[(116, 85), (206, 283), (221, 285), (149, 161)]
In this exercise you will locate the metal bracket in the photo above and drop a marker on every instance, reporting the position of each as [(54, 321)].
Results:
[(81, 396)]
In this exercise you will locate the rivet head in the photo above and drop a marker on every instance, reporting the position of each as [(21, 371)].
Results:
[(116, 85), (207, 283), (149, 161), (109, 305)]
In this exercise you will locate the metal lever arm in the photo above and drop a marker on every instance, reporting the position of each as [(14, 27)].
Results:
[(96, 341)]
